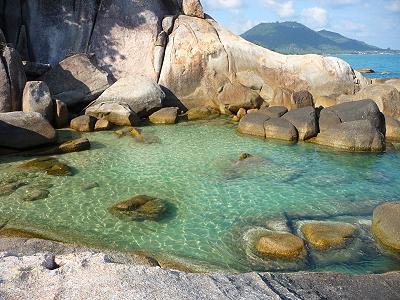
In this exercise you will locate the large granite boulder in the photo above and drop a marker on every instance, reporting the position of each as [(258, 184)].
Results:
[(22, 130), (274, 111), (351, 111), (16, 76), (116, 113), (37, 98), (253, 124), (386, 97), (76, 80), (386, 225), (355, 136), (281, 129), (142, 94), (201, 58), (305, 121)]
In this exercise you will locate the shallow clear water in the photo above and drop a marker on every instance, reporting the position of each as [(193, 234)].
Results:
[(385, 65), (218, 202)]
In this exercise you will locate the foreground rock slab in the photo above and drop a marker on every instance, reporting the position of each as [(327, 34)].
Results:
[(73, 273), (21, 130)]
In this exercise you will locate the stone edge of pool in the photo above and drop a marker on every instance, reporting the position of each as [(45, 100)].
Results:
[(42, 269)]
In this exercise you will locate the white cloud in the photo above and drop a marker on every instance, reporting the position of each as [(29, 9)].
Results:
[(393, 6), (225, 4), (242, 27), (282, 8), (315, 16)]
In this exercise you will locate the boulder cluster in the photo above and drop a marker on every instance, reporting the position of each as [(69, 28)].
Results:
[(54, 74)]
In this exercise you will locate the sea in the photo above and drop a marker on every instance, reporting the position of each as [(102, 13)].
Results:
[(384, 65)]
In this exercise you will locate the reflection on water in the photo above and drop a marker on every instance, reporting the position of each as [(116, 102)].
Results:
[(219, 202)]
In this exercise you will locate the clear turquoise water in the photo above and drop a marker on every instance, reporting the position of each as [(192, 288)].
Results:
[(385, 65), (218, 202)]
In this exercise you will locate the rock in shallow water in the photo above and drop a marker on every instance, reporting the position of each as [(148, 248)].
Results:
[(139, 208), (280, 245), (48, 164), (386, 225), (35, 194), (325, 235)]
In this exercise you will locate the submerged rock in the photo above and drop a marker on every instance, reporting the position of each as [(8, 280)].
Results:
[(139, 208), (200, 113), (280, 245), (35, 194), (326, 235), (48, 164), (7, 189), (386, 225), (77, 145)]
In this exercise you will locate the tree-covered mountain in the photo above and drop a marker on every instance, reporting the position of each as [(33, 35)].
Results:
[(295, 38)]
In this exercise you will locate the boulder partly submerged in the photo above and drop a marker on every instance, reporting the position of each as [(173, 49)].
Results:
[(20, 130), (386, 225)]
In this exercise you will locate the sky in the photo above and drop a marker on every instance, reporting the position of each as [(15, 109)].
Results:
[(376, 22)]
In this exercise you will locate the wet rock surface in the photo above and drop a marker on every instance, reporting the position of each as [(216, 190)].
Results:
[(386, 225), (139, 208), (50, 165)]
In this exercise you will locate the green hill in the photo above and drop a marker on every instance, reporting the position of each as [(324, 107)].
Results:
[(295, 38)]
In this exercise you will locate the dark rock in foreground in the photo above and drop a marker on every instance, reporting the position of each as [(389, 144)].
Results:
[(21, 130), (84, 271)]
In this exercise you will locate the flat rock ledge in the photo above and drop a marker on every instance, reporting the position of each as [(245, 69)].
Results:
[(49, 270)]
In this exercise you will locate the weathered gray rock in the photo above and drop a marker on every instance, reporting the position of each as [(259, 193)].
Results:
[(21, 130), (192, 8), (392, 129), (351, 111), (77, 79), (16, 75), (83, 123), (61, 114), (142, 94), (356, 136), (5, 89), (305, 121), (386, 225), (386, 97), (114, 112), (37, 98), (274, 111), (253, 124), (166, 115), (281, 129)]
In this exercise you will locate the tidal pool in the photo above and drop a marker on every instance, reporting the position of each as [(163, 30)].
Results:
[(217, 202)]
